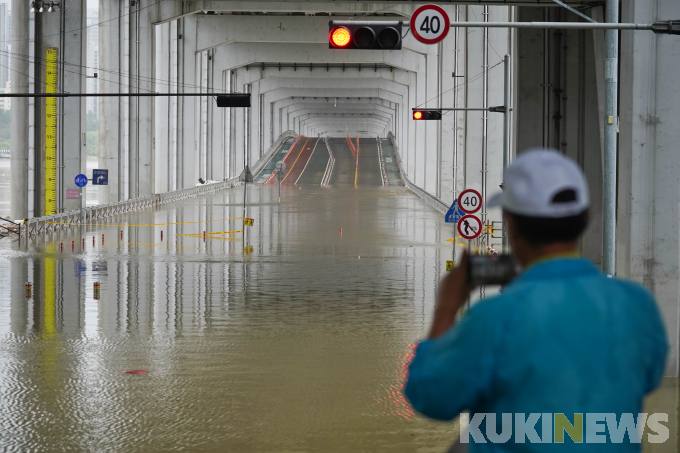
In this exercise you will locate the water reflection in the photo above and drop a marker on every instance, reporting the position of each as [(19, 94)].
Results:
[(291, 335), (297, 345)]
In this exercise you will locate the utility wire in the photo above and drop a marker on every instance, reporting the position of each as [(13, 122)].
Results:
[(157, 2), (456, 87), (147, 79), (129, 84)]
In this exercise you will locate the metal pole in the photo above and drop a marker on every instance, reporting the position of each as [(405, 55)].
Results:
[(506, 114), (19, 81), (611, 140), (557, 25), (496, 109), (455, 128), (506, 130)]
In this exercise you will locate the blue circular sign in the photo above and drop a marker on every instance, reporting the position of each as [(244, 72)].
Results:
[(81, 180)]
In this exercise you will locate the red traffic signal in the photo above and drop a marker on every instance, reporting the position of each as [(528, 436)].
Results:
[(340, 37), (380, 35), (427, 115)]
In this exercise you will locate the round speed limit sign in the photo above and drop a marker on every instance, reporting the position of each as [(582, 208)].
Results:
[(430, 24), (470, 201)]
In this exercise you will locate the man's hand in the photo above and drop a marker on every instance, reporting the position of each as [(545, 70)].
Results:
[(454, 291)]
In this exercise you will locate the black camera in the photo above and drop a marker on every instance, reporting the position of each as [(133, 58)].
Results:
[(491, 270)]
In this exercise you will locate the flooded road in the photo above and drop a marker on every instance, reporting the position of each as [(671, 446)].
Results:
[(293, 336)]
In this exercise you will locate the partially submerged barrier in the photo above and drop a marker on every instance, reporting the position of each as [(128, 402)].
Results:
[(434, 202), (38, 226)]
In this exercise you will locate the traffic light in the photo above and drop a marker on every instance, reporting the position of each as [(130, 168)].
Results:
[(381, 35), (427, 115), (233, 100)]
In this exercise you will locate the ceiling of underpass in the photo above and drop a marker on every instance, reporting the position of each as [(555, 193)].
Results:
[(285, 42)]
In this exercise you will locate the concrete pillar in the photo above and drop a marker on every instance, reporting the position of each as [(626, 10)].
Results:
[(52, 33), (109, 132), (649, 182), (141, 109), (19, 81), (162, 132), (72, 79), (187, 154), (558, 103)]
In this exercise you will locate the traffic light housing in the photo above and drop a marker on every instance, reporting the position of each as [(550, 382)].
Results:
[(233, 100), (381, 35), (427, 115)]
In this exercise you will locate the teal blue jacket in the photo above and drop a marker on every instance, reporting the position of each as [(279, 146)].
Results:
[(561, 338)]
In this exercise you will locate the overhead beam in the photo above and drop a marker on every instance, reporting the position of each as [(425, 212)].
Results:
[(356, 8)]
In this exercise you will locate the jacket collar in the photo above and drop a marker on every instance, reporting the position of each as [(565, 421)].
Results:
[(561, 267)]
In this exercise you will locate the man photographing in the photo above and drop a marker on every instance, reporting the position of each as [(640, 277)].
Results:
[(562, 338)]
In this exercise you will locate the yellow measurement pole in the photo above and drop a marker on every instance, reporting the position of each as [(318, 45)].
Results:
[(49, 321), (50, 121)]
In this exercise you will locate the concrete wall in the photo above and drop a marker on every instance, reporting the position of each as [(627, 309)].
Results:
[(560, 104), (559, 101), (649, 189)]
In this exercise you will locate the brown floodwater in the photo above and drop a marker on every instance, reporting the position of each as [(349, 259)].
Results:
[(292, 335)]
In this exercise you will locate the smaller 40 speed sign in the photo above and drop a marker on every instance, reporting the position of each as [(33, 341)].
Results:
[(430, 24)]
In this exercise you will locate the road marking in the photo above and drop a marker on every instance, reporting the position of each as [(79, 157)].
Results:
[(292, 167), (308, 160), (356, 167), (330, 166)]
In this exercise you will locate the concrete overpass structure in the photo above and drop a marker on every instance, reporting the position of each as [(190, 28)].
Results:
[(277, 51)]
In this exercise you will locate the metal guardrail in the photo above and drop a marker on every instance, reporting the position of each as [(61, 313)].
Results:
[(434, 202), (381, 163), (266, 159), (38, 226), (60, 222)]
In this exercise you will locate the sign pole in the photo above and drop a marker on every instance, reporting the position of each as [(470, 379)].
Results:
[(611, 144), (507, 147)]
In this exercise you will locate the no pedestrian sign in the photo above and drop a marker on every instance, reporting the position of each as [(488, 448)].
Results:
[(470, 227), (430, 24)]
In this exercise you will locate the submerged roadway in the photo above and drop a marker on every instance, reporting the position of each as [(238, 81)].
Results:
[(180, 328)]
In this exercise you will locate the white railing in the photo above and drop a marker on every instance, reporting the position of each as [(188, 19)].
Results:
[(266, 159), (381, 163), (38, 226), (61, 222)]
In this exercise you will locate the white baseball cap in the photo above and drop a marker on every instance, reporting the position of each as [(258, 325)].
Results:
[(543, 183)]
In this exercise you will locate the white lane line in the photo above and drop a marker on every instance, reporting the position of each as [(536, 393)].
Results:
[(308, 161), (330, 165)]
